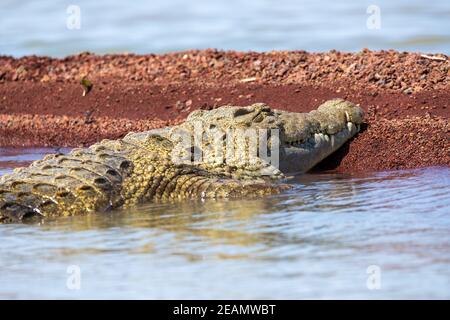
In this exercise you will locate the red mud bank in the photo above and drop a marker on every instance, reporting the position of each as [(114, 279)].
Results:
[(406, 97)]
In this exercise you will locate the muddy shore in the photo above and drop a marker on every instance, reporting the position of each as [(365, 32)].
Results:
[(406, 97)]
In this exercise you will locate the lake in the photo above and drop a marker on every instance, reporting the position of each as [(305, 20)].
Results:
[(379, 235), (55, 28)]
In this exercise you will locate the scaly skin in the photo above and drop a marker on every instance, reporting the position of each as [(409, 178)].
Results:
[(141, 166)]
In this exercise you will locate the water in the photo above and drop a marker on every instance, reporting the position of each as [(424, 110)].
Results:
[(140, 26), (316, 241)]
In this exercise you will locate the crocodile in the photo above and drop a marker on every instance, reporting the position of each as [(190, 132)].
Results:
[(227, 152)]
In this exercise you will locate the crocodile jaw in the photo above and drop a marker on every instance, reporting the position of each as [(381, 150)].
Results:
[(308, 138), (303, 157)]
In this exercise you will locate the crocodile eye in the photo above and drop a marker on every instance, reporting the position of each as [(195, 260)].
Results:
[(242, 112), (258, 118)]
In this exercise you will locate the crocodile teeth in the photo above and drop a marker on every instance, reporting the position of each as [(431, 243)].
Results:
[(318, 137), (347, 116), (350, 126)]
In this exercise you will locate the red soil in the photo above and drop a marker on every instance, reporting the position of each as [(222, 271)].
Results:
[(406, 98)]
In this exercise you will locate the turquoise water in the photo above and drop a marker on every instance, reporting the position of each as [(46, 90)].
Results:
[(317, 241), (143, 26)]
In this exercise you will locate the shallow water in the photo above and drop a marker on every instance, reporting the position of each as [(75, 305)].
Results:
[(317, 241), (142, 26)]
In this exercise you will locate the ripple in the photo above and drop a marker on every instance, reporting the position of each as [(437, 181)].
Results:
[(315, 241)]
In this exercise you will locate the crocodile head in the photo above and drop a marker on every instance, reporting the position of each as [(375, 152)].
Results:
[(246, 140)]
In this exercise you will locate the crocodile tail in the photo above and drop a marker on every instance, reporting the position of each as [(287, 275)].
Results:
[(62, 185)]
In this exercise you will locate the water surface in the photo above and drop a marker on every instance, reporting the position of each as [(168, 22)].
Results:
[(143, 26), (316, 241)]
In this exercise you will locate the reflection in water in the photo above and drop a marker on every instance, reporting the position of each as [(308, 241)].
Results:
[(229, 221), (315, 241)]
